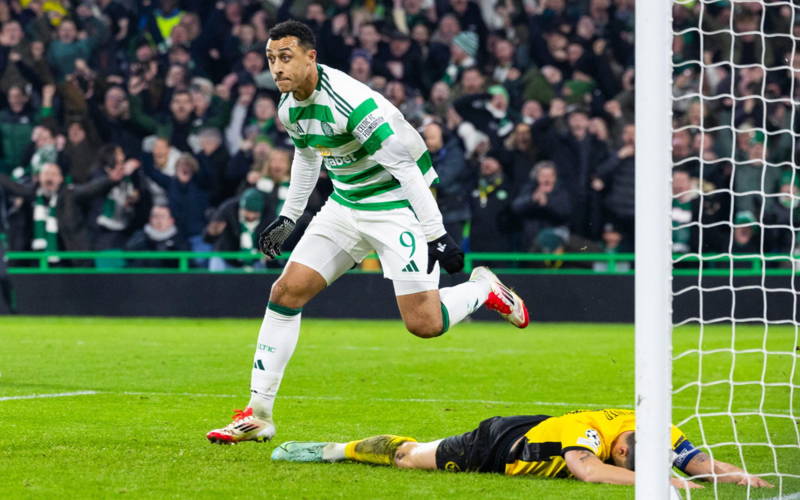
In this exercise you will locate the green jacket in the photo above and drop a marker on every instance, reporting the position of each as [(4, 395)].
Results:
[(15, 136)]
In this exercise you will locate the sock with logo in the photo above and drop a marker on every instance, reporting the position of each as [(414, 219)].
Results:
[(460, 301), (277, 339)]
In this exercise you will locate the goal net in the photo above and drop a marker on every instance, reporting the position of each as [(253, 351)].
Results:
[(735, 235)]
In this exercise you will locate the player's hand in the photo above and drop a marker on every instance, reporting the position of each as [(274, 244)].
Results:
[(445, 250), (682, 483), (755, 482), (273, 236)]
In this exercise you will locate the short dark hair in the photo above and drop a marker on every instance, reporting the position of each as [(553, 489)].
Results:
[(296, 29), (630, 460)]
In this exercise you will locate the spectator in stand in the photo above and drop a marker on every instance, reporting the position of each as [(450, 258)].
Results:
[(434, 56), (159, 235), (214, 158), (576, 154), (52, 215), (684, 212), (17, 122), (544, 205), (456, 179), (235, 227), (491, 227), (163, 158), (489, 113), (463, 50), (520, 157), (616, 179), (187, 193), (80, 151), (71, 49), (114, 217)]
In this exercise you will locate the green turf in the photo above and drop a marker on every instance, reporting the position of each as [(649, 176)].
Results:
[(162, 384)]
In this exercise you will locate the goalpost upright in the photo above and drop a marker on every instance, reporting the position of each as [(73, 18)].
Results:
[(653, 289)]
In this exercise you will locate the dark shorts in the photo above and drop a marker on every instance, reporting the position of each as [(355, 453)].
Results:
[(486, 448)]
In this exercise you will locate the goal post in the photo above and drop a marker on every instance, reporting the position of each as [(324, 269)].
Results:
[(718, 241), (653, 279)]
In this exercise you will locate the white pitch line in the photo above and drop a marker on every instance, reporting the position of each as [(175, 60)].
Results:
[(53, 395), (343, 398)]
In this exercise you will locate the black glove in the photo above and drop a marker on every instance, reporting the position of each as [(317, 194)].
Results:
[(446, 251), (273, 236)]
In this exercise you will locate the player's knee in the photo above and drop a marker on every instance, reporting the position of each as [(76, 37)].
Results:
[(425, 327), (404, 456), (285, 294)]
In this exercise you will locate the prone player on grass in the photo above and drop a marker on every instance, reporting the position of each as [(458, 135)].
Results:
[(596, 446)]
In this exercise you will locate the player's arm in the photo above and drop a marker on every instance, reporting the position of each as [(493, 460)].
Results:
[(305, 172), (370, 128), (702, 465), (586, 466)]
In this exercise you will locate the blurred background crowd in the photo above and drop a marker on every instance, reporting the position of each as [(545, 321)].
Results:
[(151, 125)]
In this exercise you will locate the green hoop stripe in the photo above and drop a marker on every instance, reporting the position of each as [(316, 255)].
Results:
[(298, 142), (360, 113), (357, 177), (425, 162), (286, 311), (358, 154), (445, 318), (311, 112), (359, 194), (377, 137), (383, 205), (324, 141)]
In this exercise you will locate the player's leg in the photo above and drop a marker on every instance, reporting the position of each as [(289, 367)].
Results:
[(387, 449), (316, 262)]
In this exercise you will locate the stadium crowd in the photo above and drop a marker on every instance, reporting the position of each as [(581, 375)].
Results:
[(151, 125)]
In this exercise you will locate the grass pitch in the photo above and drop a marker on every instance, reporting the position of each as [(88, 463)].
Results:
[(145, 391)]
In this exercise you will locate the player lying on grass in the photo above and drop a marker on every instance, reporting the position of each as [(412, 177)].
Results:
[(593, 446), (381, 173)]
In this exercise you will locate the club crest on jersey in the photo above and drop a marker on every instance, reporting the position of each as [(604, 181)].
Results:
[(327, 129)]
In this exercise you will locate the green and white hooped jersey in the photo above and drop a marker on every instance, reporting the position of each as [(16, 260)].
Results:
[(345, 122)]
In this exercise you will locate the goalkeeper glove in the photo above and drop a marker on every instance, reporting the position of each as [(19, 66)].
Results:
[(445, 250), (273, 236)]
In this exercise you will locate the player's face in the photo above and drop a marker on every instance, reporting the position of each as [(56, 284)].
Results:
[(289, 63)]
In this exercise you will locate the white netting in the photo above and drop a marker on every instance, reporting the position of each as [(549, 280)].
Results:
[(736, 234)]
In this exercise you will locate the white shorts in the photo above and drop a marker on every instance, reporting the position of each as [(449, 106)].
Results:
[(340, 237)]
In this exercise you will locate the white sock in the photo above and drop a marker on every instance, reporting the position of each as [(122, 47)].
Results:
[(460, 301), (276, 341), (333, 452)]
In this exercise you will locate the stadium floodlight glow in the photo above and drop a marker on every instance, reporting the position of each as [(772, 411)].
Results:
[(653, 292)]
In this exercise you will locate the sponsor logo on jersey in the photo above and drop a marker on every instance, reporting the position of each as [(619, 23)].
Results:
[(336, 161)]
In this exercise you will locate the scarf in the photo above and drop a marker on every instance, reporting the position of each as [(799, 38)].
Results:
[(115, 214), (487, 186), (42, 156), (159, 236), (247, 236), (267, 185), (45, 224)]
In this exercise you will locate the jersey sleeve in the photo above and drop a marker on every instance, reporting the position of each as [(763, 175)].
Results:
[(682, 449), (576, 435), (304, 175)]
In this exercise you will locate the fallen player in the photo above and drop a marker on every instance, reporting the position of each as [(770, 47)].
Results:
[(592, 446)]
